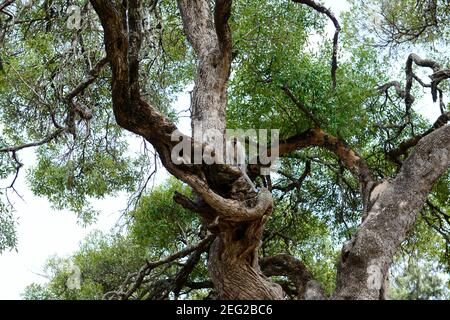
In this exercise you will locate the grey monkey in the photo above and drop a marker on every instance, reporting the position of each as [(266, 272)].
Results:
[(235, 155)]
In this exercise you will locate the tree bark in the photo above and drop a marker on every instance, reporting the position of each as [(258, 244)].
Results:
[(395, 204), (233, 266)]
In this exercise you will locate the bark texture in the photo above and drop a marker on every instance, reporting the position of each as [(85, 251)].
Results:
[(211, 40)]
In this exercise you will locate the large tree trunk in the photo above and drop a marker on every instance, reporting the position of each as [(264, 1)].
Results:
[(394, 206), (234, 269)]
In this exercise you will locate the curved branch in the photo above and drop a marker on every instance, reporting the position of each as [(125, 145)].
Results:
[(47, 139), (318, 138), (229, 209), (403, 148), (398, 89), (320, 8), (138, 116), (5, 4), (428, 63), (438, 75), (198, 207), (296, 271), (436, 78)]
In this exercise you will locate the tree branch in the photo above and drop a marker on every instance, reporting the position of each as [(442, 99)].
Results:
[(300, 105), (319, 138), (138, 116), (403, 148), (47, 139), (211, 39), (137, 278), (5, 4), (296, 183), (428, 63), (222, 13), (91, 77), (296, 271), (197, 23), (398, 89), (320, 8)]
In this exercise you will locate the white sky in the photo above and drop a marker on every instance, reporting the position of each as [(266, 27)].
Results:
[(43, 232)]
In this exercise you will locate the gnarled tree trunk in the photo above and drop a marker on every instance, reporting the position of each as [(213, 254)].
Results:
[(233, 265)]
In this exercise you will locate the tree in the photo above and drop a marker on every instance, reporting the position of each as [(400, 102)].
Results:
[(418, 283), (251, 68)]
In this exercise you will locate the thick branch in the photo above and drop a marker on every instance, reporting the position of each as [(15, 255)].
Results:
[(198, 26), (320, 8), (403, 148), (135, 40), (296, 271), (222, 13), (438, 75), (229, 209), (182, 275), (428, 63), (211, 39), (436, 79), (139, 117), (198, 207), (318, 138)]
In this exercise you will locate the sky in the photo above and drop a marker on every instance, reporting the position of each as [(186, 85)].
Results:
[(43, 232)]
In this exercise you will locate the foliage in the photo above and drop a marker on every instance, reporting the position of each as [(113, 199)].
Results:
[(404, 22), (420, 282), (43, 61), (8, 238)]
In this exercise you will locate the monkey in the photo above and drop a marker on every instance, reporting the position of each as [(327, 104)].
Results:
[(235, 155)]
